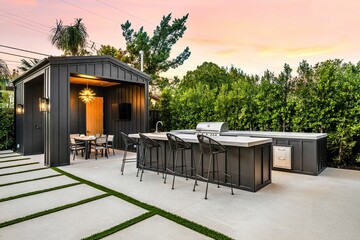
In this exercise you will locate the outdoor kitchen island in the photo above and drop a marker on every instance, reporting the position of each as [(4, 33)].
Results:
[(249, 157)]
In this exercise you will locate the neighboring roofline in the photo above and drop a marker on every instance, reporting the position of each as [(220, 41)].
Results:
[(75, 59)]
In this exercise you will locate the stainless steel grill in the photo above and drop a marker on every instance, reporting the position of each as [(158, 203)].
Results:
[(211, 128)]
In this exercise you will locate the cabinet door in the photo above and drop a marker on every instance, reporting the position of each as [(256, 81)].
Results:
[(282, 157)]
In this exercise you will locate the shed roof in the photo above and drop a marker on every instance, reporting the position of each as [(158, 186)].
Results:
[(80, 60)]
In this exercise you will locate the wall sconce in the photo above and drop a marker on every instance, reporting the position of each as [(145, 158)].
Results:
[(44, 105), (19, 109)]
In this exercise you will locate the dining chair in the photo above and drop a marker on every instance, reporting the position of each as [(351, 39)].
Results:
[(101, 143), (111, 143), (74, 147)]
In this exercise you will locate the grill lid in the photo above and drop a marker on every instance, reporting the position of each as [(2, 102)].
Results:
[(215, 127)]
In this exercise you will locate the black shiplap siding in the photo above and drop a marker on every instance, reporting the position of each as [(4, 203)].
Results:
[(33, 136), (57, 123), (124, 93)]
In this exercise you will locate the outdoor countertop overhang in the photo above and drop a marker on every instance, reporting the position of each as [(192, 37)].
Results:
[(266, 134), (225, 140)]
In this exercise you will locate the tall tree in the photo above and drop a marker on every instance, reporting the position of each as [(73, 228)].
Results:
[(208, 73), (111, 51), (26, 65), (157, 48), (71, 39)]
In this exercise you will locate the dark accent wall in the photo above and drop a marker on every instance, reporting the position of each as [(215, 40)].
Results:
[(78, 107), (124, 93), (33, 130)]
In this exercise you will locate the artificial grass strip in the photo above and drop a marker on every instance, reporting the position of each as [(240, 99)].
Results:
[(38, 192), (29, 180), (14, 160), (52, 210), (19, 165), (120, 227), (25, 171), (170, 216)]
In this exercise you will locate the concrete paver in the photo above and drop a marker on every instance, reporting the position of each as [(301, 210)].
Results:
[(293, 206), (74, 223), (5, 151), (25, 206), (27, 176), (14, 163), (158, 228), (20, 168), (16, 189), (6, 159), (9, 155)]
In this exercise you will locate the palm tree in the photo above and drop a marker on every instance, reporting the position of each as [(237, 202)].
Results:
[(26, 65), (71, 39)]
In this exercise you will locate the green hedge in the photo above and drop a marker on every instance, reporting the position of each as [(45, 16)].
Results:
[(324, 98)]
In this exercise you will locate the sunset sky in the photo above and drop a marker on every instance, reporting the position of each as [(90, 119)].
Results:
[(253, 35)]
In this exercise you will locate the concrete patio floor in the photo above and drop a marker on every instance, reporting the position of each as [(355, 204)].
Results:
[(293, 206)]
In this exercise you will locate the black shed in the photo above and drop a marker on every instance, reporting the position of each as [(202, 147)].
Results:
[(121, 104)]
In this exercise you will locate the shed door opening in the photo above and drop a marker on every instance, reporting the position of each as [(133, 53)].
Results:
[(33, 118), (95, 116)]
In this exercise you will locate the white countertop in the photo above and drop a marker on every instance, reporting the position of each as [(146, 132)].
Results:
[(294, 135), (266, 134), (225, 140)]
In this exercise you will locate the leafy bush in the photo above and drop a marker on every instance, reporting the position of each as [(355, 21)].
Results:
[(324, 98)]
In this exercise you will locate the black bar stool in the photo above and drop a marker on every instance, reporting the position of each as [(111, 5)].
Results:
[(129, 142), (147, 144), (176, 145), (212, 148)]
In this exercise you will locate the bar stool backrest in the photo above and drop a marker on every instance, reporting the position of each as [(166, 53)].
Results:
[(209, 145), (146, 142), (128, 141), (177, 143)]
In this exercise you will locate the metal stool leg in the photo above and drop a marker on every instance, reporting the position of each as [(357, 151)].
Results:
[(196, 172), (208, 175), (231, 182), (143, 163), (123, 162), (166, 171), (140, 163), (217, 170), (184, 154), (174, 167)]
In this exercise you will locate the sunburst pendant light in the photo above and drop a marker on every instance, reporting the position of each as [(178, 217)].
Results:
[(87, 95)]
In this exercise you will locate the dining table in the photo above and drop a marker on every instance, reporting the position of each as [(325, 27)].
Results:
[(87, 140)]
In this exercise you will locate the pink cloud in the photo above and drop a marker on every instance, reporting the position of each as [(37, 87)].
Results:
[(23, 2), (226, 52), (296, 51)]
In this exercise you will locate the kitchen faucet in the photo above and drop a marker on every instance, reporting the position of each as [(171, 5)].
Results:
[(156, 129)]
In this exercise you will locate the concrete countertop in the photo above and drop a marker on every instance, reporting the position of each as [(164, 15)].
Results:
[(266, 134), (225, 140)]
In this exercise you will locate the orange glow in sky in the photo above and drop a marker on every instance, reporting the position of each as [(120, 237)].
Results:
[(252, 35)]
